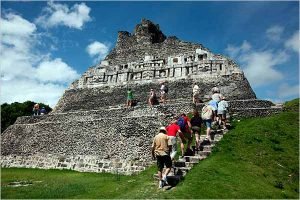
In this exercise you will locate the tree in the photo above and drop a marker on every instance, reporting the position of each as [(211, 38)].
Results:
[(10, 112)]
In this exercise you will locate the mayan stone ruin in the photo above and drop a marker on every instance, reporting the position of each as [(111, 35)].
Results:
[(90, 129)]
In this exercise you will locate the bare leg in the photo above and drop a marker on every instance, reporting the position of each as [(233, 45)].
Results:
[(190, 142), (160, 175), (182, 148), (208, 132), (167, 171), (197, 137)]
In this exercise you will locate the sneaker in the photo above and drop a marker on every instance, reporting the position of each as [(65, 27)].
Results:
[(161, 184), (165, 180)]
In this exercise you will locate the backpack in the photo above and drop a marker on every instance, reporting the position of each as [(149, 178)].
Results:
[(206, 113), (166, 89), (196, 121), (181, 123)]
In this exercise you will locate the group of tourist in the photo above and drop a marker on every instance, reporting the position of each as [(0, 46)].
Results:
[(152, 98), (164, 146), (37, 111)]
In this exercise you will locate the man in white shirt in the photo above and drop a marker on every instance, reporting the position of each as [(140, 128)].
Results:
[(195, 93)]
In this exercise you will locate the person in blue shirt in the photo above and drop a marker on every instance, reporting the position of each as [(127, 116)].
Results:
[(43, 111)]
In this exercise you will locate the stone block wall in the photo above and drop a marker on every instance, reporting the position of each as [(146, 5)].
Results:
[(81, 163), (108, 137), (254, 112)]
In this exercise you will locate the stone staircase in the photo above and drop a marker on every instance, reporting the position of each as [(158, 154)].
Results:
[(183, 165)]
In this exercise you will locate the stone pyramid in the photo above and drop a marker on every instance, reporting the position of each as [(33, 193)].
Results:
[(91, 130)]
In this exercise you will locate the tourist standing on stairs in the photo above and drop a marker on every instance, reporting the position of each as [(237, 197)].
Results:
[(173, 130), (196, 93), (222, 110), (43, 111), (196, 122), (185, 126), (160, 150), (129, 97), (216, 98), (36, 110), (152, 98), (207, 116), (163, 92)]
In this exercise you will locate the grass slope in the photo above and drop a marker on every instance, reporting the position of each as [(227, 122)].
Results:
[(258, 158)]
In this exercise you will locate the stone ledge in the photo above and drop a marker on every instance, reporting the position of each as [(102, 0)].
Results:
[(81, 163)]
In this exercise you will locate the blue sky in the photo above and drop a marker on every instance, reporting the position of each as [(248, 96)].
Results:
[(47, 45)]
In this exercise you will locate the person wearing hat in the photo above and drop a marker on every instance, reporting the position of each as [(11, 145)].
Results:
[(222, 109), (160, 151)]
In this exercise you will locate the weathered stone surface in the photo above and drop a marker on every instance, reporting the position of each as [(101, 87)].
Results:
[(147, 57)]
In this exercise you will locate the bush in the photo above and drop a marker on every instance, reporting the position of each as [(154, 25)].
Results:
[(10, 112)]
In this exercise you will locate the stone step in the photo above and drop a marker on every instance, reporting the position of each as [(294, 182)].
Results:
[(172, 180), (191, 164), (204, 153), (195, 158), (217, 138), (182, 170), (218, 131), (179, 164), (206, 147), (185, 164)]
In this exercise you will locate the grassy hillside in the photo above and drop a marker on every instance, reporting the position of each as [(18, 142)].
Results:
[(258, 158)]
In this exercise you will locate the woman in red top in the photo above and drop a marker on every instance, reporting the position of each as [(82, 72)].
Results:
[(172, 131)]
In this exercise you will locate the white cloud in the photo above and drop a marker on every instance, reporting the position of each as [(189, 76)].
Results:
[(293, 43), (16, 25), (274, 32), (60, 14), (234, 51), (260, 66), (26, 74), (55, 71), (286, 90), (97, 49)]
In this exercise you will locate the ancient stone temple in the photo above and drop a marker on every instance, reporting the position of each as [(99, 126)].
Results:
[(146, 57), (91, 130)]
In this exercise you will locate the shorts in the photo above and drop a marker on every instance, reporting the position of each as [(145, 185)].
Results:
[(185, 136), (207, 123), (196, 129), (173, 142), (223, 115), (221, 112), (163, 161)]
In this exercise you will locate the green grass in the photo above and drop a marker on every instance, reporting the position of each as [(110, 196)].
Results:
[(259, 158)]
